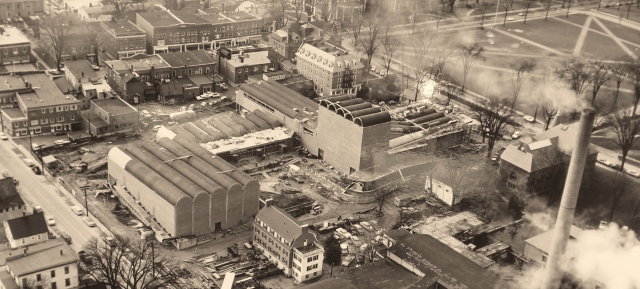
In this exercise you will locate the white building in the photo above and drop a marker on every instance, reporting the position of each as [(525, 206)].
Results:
[(51, 264), (288, 244), (26, 230), (536, 249)]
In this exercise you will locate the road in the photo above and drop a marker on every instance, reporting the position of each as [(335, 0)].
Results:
[(36, 190)]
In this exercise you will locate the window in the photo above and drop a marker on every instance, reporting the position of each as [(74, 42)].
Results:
[(51, 110), (66, 270), (22, 241), (43, 110), (513, 176), (53, 273), (39, 237), (544, 257), (67, 282), (44, 121), (38, 277), (66, 108), (54, 285), (73, 117)]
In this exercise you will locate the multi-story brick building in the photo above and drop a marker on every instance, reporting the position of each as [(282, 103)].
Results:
[(9, 85), (332, 69), (43, 109), (188, 63), (12, 9), (122, 38), (540, 164), (138, 75), (286, 40), (238, 67), (288, 244), (14, 46), (234, 28), (107, 116), (174, 31)]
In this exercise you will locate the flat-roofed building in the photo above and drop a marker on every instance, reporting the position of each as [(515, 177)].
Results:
[(14, 46), (241, 66), (123, 39), (107, 116), (174, 31), (137, 75), (79, 72)]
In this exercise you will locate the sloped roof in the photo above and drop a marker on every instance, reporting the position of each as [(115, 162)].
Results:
[(9, 196), (29, 225), (58, 255), (281, 222), (543, 241), (534, 156), (439, 262), (567, 136), (171, 88), (63, 84)]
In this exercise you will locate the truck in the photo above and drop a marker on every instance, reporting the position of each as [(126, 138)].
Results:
[(7, 175), (347, 260), (345, 248)]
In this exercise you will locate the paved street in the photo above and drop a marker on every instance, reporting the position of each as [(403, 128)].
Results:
[(37, 190)]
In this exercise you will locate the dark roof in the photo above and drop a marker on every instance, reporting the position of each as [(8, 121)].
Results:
[(171, 88), (398, 234), (63, 84), (46, 93), (188, 58), (9, 196), (113, 105), (26, 226), (159, 18), (331, 283), (281, 222), (80, 68), (200, 79), (439, 262)]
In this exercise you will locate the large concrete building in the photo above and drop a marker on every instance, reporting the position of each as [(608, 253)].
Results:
[(14, 46), (180, 189), (332, 69), (288, 244)]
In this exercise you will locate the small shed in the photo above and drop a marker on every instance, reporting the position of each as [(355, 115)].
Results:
[(402, 200)]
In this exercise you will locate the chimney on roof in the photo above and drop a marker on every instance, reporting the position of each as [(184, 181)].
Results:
[(305, 242), (61, 253), (305, 229)]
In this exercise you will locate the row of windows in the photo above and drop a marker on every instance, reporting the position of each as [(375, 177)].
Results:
[(260, 103), (15, 50), (255, 68), (131, 46), (60, 108)]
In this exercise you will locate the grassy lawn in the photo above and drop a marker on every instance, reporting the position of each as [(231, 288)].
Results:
[(634, 14), (552, 33), (600, 46)]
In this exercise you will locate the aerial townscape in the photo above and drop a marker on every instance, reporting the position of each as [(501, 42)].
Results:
[(319, 144)]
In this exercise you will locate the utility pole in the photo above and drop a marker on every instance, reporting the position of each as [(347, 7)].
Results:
[(86, 204), (153, 260)]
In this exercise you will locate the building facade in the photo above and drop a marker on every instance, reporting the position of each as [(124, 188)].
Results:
[(14, 46), (288, 244), (12, 9), (239, 67), (43, 109), (108, 116), (333, 70), (286, 40), (139, 75), (79, 72), (123, 39), (26, 230)]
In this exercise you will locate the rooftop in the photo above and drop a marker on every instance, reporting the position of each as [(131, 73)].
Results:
[(13, 113), (9, 196), (200, 79), (188, 58), (392, 170), (63, 84), (329, 57), (58, 254), (113, 106), (12, 36), (141, 62), (281, 222), (543, 240), (255, 58), (160, 18), (283, 99), (215, 18), (80, 68), (240, 16), (534, 156), (566, 135), (441, 263), (122, 27), (7, 280), (248, 140), (46, 92), (187, 16), (9, 82), (27, 226)]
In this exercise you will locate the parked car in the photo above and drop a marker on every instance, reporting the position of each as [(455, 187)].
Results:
[(373, 68), (3, 136), (521, 14), (511, 19), (298, 179), (516, 134), (145, 113), (604, 162), (347, 260), (35, 146), (528, 118), (633, 173), (95, 67), (89, 222), (214, 94), (62, 142), (202, 97), (51, 221), (29, 162), (66, 237), (156, 128), (224, 86), (36, 170), (192, 106), (78, 210)]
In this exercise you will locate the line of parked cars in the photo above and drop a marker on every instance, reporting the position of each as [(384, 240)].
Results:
[(630, 172)]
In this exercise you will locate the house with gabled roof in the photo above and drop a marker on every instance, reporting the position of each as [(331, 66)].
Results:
[(26, 230), (539, 164), (288, 243)]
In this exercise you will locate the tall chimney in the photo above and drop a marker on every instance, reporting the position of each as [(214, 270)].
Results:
[(553, 274)]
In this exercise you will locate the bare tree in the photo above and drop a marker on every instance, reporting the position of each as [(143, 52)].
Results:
[(619, 71), (549, 112), (527, 6), (576, 73), (451, 90), (420, 65), (372, 37), (469, 55), (457, 168), (54, 32), (129, 264), (390, 45), (547, 8), (521, 71), (356, 26), (93, 33), (600, 76), (507, 4), (34, 283), (633, 67), (431, 174), (619, 188), (626, 128), (381, 195), (493, 115), (298, 9), (450, 3), (121, 6), (276, 9), (440, 59)]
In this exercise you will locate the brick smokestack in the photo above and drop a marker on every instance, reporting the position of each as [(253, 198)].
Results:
[(553, 273)]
